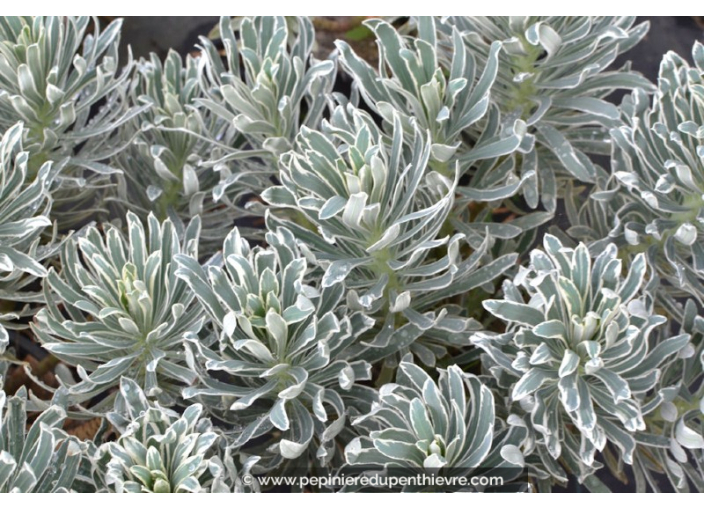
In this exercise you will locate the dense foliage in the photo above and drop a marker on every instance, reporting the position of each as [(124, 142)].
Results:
[(255, 261)]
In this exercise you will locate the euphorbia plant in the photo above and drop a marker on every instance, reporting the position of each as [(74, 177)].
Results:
[(258, 260)]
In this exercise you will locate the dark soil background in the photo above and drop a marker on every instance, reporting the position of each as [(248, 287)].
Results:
[(146, 34), (667, 33)]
